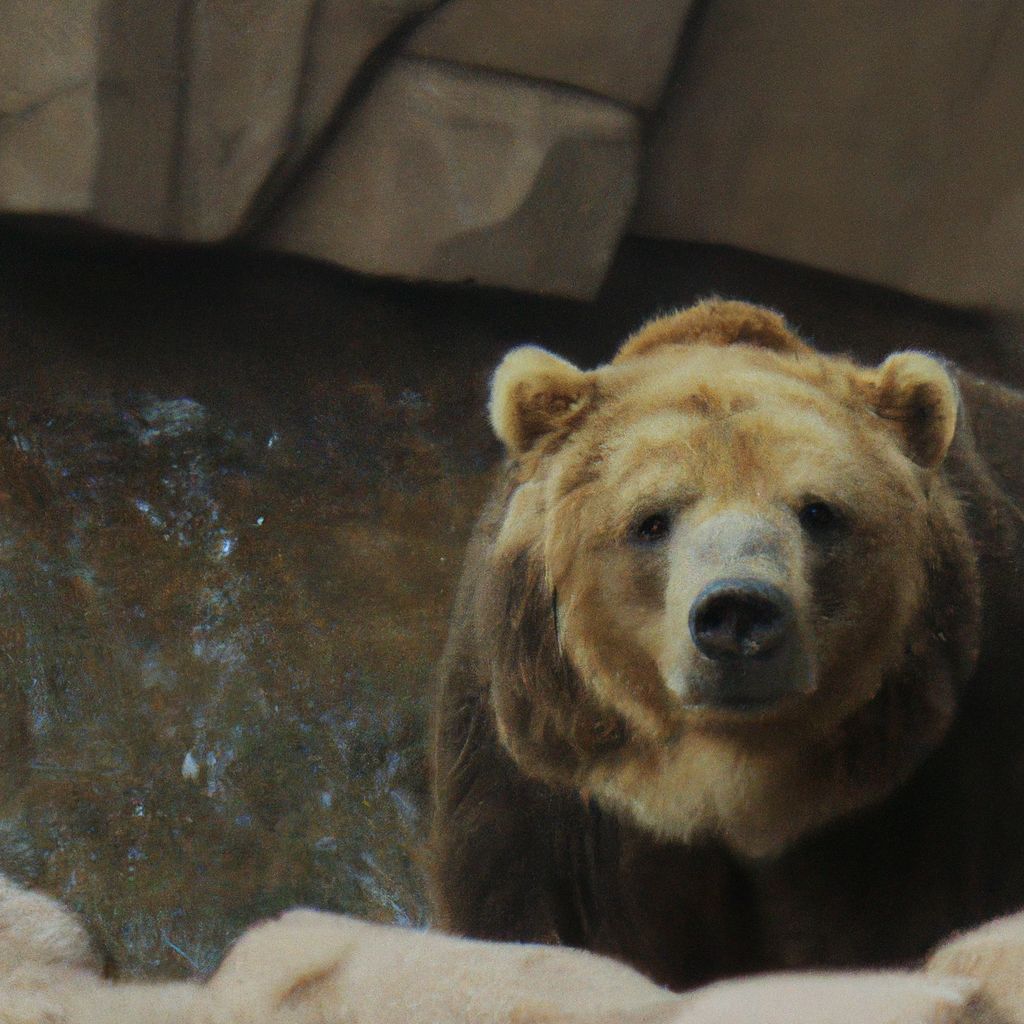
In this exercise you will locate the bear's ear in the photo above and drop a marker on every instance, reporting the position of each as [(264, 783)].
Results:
[(917, 399), (534, 395), (714, 322)]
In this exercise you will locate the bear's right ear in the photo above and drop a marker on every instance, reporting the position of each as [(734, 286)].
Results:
[(917, 400), (534, 395)]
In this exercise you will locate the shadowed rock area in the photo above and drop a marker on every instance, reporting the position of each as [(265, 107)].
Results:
[(234, 493)]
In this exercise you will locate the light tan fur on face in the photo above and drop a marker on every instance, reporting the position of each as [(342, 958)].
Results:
[(713, 418)]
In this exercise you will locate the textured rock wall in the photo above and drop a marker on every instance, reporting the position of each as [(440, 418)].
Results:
[(459, 175), (878, 140), (450, 141), (49, 137), (514, 144)]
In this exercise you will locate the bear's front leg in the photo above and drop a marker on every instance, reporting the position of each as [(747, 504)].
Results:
[(495, 859)]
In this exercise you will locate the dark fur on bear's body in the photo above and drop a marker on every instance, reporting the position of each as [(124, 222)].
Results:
[(521, 859)]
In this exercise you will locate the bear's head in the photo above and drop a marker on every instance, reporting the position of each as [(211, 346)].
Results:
[(731, 593)]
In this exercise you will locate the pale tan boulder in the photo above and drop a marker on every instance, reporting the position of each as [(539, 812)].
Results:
[(342, 35), (315, 968), (173, 120), (841, 998), (619, 50), (873, 139), (246, 67), (137, 176), (49, 975), (992, 955), (265, 78), (447, 174), (209, 106), (48, 130), (205, 121), (309, 967)]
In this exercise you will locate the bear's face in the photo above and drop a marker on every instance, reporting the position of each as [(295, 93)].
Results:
[(734, 542)]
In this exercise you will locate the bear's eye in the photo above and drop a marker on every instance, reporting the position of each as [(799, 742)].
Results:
[(817, 516), (652, 528)]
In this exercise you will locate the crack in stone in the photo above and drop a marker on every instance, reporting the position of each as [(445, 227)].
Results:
[(33, 108), (291, 166)]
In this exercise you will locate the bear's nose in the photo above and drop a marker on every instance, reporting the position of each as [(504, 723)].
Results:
[(737, 618)]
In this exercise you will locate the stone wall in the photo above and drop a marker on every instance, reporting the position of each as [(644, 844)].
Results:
[(455, 141), (514, 144)]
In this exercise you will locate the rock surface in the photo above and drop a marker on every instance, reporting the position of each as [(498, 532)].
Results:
[(214, 120), (876, 140), (503, 142), (245, 74), (48, 134), (448, 174), (620, 51)]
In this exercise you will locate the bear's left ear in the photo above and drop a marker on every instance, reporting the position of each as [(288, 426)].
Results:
[(536, 395), (917, 399)]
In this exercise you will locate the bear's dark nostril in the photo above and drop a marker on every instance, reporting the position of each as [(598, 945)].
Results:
[(739, 619)]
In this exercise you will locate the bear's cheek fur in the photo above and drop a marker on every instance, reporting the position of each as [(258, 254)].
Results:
[(611, 626), (867, 597), (627, 644), (861, 643), (749, 786)]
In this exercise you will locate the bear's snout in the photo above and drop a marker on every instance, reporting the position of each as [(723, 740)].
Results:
[(737, 618), (750, 653)]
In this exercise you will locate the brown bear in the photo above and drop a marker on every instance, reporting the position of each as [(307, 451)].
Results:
[(735, 679)]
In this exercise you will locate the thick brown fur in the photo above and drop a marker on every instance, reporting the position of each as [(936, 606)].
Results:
[(579, 798)]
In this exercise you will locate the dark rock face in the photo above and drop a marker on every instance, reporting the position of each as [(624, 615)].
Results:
[(226, 572), (234, 495)]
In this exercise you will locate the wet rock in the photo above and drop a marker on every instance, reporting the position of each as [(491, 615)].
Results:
[(621, 51), (455, 175), (179, 696)]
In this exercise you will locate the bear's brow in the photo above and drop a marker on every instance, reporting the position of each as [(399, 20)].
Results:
[(703, 401), (586, 471), (706, 402)]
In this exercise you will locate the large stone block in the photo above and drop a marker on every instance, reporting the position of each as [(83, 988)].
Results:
[(454, 175), (143, 74), (246, 66), (262, 79), (48, 132), (342, 36), (619, 50), (877, 140), (175, 119)]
